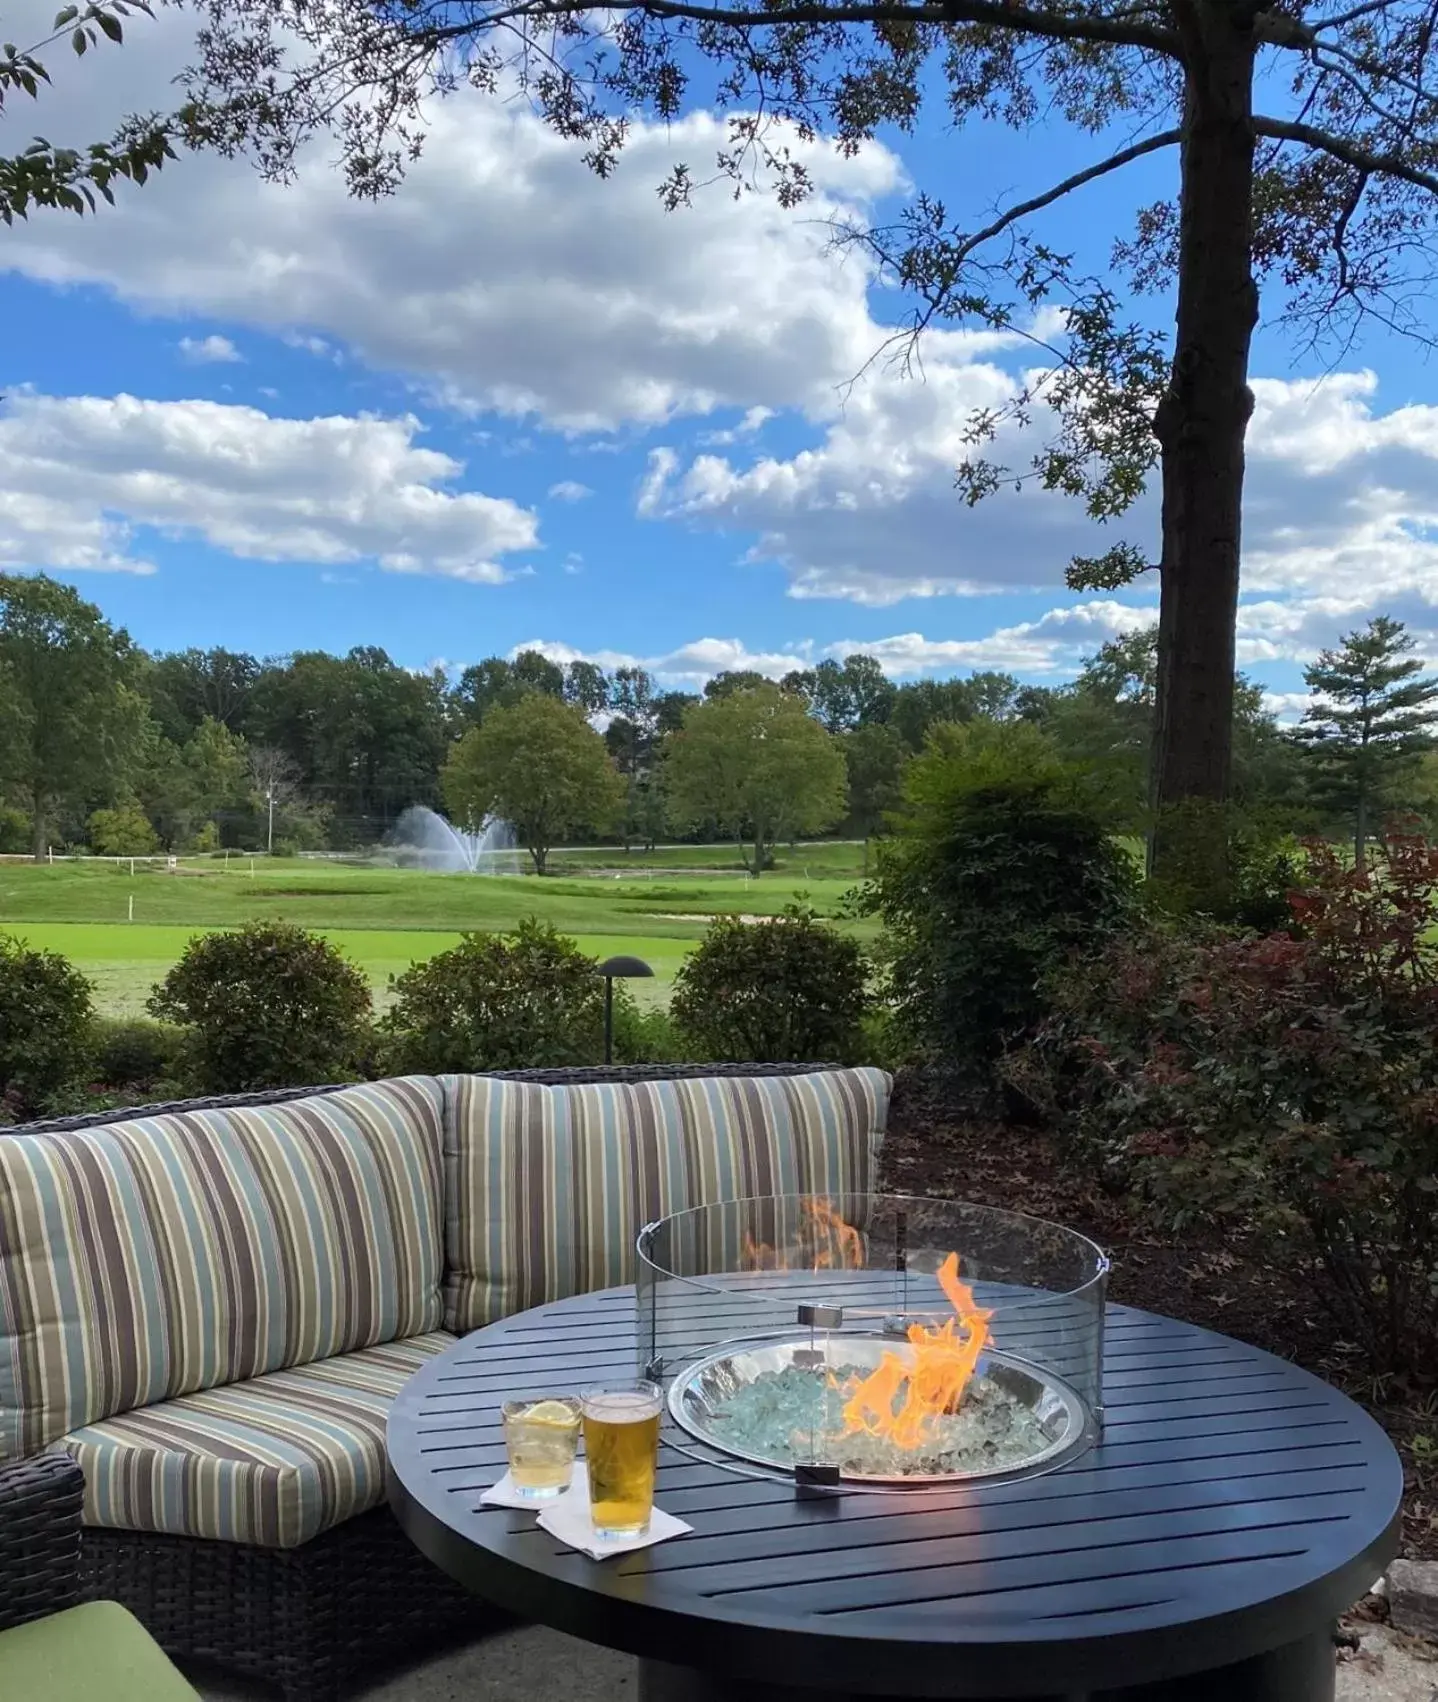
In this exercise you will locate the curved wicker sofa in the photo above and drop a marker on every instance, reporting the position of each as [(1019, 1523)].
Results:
[(312, 1616)]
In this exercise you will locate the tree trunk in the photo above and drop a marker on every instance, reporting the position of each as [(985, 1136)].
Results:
[(540, 854), (1200, 425), (1360, 827), (39, 838)]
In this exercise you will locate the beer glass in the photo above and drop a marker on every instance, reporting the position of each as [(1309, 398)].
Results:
[(621, 1441)]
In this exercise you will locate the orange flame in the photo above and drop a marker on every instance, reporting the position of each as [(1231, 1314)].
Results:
[(900, 1401), (824, 1242)]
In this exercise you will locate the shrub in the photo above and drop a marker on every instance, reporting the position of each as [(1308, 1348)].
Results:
[(45, 1017), (530, 999), (787, 990), (999, 873), (1285, 1083), (645, 1035), (124, 831), (14, 831), (134, 1052), (1266, 866), (266, 1005)]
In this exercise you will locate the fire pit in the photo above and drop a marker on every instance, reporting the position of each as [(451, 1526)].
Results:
[(874, 1340)]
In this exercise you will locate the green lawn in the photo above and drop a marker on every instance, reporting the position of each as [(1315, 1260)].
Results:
[(386, 919)]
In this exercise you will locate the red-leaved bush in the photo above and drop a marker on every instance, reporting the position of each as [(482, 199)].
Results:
[(1285, 1081)]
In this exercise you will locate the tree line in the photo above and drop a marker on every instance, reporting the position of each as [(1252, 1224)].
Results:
[(106, 746)]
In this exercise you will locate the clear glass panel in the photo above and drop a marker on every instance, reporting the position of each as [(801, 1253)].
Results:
[(884, 1337)]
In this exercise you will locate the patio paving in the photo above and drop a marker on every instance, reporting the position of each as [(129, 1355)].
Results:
[(531, 1664), (528, 1664)]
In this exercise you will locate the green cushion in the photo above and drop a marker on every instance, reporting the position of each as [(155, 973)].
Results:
[(546, 1188), (96, 1653)]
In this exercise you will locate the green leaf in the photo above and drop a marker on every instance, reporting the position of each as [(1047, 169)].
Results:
[(111, 26), (66, 16), (79, 41)]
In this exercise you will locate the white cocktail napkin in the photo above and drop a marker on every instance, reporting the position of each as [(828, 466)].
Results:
[(505, 1493), (569, 1519)]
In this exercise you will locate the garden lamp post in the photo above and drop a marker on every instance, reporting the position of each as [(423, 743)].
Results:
[(625, 969)]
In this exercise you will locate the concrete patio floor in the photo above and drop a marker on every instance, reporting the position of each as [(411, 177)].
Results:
[(531, 1664), (528, 1664)]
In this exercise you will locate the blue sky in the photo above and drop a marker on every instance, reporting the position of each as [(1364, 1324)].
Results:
[(517, 405)]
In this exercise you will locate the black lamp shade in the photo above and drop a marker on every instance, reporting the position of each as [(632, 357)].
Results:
[(624, 968)]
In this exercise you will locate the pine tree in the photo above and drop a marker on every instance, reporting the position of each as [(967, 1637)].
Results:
[(1371, 717)]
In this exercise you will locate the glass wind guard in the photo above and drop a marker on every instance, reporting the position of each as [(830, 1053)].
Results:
[(883, 1337)]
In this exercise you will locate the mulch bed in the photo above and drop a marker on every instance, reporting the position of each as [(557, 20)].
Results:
[(938, 1143)]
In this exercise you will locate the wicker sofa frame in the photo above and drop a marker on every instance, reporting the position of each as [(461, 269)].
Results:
[(308, 1620), (40, 1502)]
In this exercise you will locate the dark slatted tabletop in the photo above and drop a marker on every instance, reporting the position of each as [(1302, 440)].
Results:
[(1234, 1504)]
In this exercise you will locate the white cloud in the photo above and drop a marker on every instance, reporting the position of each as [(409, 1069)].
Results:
[(869, 514), (78, 475), (752, 423), (569, 490), (312, 345), (1341, 514), (1055, 644), (690, 665), (200, 351), (503, 275), (1288, 706)]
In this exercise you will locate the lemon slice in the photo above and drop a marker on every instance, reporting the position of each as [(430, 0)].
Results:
[(551, 1412)]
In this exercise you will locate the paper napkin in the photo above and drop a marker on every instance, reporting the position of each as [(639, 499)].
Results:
[(506, 1494), (568, 1518)]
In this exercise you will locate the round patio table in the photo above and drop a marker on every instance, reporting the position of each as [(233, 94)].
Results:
[(1232, 1509)]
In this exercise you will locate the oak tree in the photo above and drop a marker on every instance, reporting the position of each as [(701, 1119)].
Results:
[(1326, 200), (756, 763), (538, 765), (72, 719), (874, 756)]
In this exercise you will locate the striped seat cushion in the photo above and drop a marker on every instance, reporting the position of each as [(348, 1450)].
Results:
[(273, 1461), (546, 1188), (148, 1259)]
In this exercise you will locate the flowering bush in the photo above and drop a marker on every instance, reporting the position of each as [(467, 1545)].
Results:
[(1288, 1081)]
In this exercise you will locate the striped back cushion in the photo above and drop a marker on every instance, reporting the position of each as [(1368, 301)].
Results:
[(546, 1188), (149, 1259)]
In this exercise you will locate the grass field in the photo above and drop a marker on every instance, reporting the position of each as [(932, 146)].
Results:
[(653, 906)]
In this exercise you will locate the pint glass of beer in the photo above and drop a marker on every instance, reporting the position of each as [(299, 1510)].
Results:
[(621, 1440)]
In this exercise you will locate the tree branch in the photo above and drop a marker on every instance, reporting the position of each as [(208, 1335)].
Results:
[(1164, 139), (995, 14), (1340, 232), (1360, 89), (1340, 148), (1350, 16), (1379, 72)]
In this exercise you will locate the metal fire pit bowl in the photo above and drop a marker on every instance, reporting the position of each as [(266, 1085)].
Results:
[(733, 1291), (697, 1396)]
